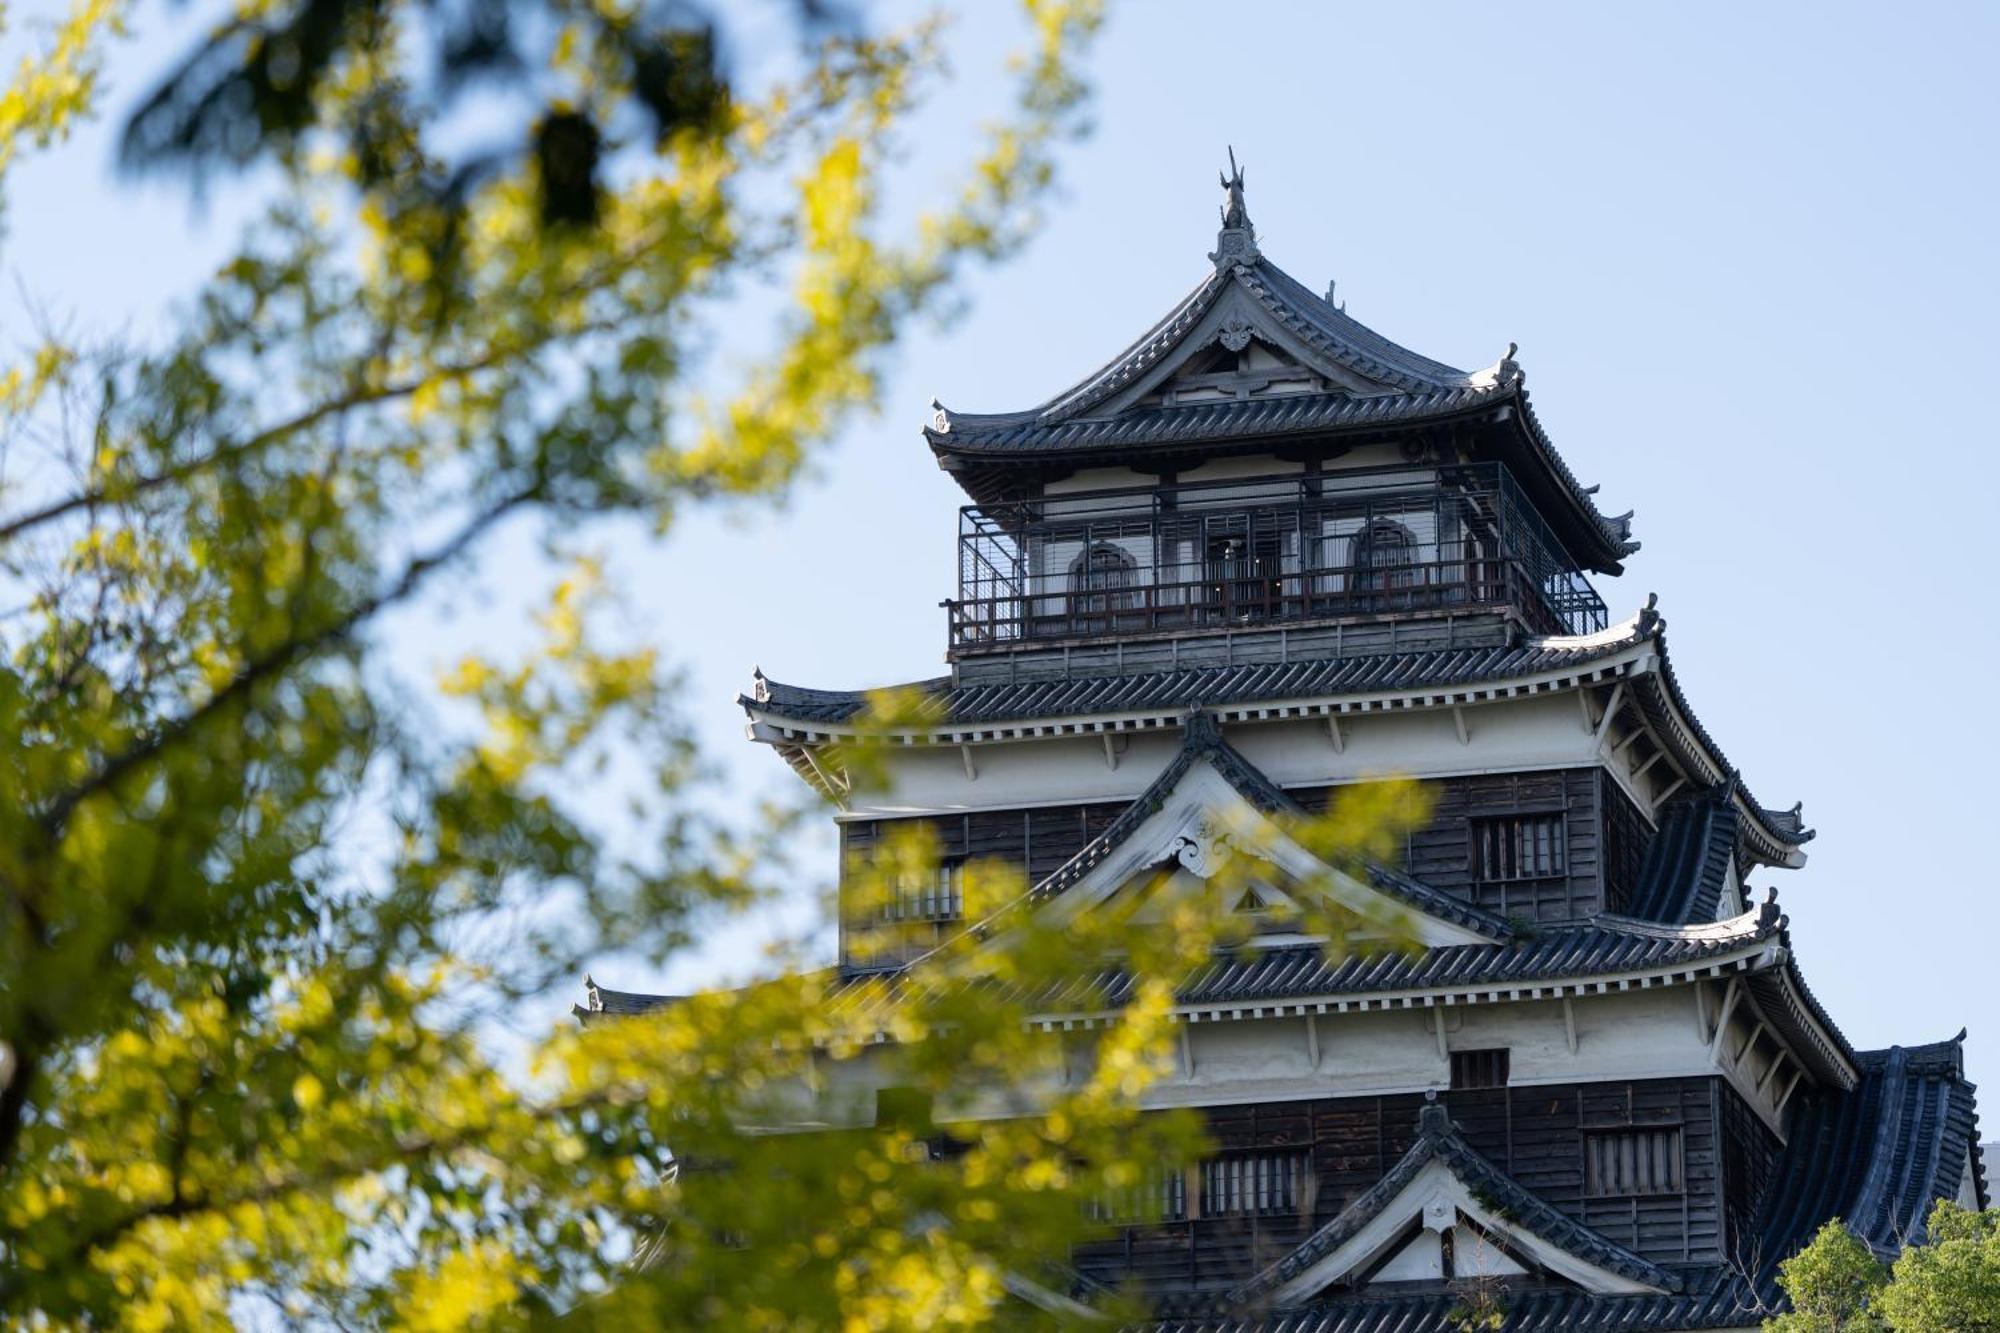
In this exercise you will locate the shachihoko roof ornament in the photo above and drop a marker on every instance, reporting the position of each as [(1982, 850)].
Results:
[(1236, 243)]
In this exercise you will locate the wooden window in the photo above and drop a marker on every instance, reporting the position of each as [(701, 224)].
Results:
[(1160, 1197), (1632, 1161), (1479, 1069), (1514, 847), (1256, 1183), (938, 896), (1102, 579), (1385, 553)]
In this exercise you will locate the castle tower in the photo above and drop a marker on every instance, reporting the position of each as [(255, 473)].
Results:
[(1264, 552)]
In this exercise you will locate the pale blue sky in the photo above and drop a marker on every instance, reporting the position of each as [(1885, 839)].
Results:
[(1747, 251)]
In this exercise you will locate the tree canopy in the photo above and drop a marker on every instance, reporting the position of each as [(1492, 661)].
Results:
[(264, 898), (1949, 1283)]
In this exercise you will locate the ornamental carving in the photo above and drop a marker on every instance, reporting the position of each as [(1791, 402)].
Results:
[(1199, 847)]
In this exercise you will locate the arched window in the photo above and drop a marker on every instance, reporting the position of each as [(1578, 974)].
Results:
[(1101, 579), (1385, 556)]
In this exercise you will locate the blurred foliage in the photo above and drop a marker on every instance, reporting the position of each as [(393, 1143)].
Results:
[(1948, 1284), (269, 909)]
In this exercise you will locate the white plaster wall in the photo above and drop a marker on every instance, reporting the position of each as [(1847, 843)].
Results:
[(1541, 731), (1251, 465), (1627, 1035), (1099, 479)]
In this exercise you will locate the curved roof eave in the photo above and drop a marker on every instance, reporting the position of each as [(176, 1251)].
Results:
[(1324, 326), (963, 715)]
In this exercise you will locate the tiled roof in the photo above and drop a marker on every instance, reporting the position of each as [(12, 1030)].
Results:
[(1192, 423), (945, 702), (1656, 692), (1878, 1156), (603, 1000), (1711, 1301), (1317, 321), (1687, 863), (1405, 387), (1597, 947), (1438, 1140)]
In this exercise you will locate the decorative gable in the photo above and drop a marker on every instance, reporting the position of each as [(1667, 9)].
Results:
[(1444, 1213), (1240, 350), (1210, 804)]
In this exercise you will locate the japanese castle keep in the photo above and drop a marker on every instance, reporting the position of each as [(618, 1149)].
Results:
[(1263, 552)]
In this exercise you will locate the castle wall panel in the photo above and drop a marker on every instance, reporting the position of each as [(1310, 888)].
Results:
[(1605, 838), (1535, 1134)]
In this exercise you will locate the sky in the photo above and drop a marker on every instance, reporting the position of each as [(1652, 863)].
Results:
[(1746, 250)]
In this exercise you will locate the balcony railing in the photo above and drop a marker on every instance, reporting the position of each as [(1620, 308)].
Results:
[(1273, 550)]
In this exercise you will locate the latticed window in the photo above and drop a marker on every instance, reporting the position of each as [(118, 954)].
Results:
[(1479, 1069), (1243, 1184), (1160, 1197), (1632, 1161), (1511, 847), (937, 896), (1385, 555), (1102, 579)]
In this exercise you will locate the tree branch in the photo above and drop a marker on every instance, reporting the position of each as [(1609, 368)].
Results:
[(275, 663)]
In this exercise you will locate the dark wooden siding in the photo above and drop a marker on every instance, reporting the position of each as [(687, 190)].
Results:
[(1039, 840), (1605, 839), (1534, 1134), (1749, 1156), (1440, 854), (1626, 839)]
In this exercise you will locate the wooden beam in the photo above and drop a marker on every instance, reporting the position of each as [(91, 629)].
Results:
[(1110, 753), (1610, 711), (1756, 1035), (1701, 1009), (1569, 1022), (1628, 740), (1458, 721), (1786, 1095), (1672, 787), (1729, 999), (971, 769), (1583, 700), (834, 783), (1437, 1013), (1652, 759), (1187, 1050), (1771, 1073), (1333, 733), (1312, 1040)]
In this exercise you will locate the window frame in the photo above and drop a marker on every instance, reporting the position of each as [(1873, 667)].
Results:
[(1475, 858), (1594, 1187), (1096, 588), (944, 892), (1371, 542), (1504, 1062), (1295, 1168)]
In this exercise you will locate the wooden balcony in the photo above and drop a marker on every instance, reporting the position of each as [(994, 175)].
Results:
[(1350, 545)]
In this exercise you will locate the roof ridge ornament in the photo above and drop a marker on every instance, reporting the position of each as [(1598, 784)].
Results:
[(1236, 243), (1651, 622)]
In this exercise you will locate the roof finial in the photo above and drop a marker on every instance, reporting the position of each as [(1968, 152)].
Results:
[(1236, 243), (1234, 214)]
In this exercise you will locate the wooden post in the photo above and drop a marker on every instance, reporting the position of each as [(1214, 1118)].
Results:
[(1722, 1020), (1610, 712)]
